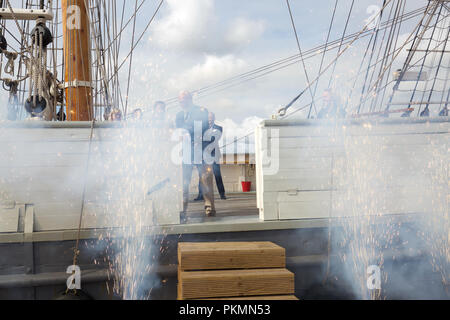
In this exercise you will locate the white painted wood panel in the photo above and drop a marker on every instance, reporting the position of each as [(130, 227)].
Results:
[(52, 216), (259, 173), (400, 139), (299, 174), (389, 204), (305, 196), (56, 159), (308, 183), (361, 130), (296, 162), (307, 153), (398, 164), (46, 167), (311, 152), (269, 211), (9, 220), (43, 134), (304, 210)]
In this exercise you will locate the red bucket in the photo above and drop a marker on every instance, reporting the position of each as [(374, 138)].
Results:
[(246, 186)]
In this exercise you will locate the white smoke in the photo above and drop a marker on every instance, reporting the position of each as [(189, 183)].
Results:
[(377, 177)]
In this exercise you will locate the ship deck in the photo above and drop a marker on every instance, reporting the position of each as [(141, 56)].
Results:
[(35, 263), (236, 214)]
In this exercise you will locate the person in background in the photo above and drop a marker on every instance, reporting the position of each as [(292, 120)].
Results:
[(107, 113), (331, 108), (217, 134), (191, 117), (116, 115), (159, 117), (137, 114), (159, 110)]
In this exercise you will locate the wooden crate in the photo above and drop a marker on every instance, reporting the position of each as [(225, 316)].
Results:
[(233, 271)]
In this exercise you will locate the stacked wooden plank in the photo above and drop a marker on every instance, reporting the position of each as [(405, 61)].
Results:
[(233, 270)]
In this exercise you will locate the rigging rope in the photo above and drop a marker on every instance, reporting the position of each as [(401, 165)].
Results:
[(324, 52), (131, 63), (386, 50), (282, 112), (83, 198), (300, 52), (112, 36), (138, 40), (426, 111), (286, 62), (340, 44), (414, 47), (388, 56), (423, 62), (372, 51)]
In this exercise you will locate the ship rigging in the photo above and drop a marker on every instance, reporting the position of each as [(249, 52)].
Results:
[(83, 83), (65, 63), (112, 184)]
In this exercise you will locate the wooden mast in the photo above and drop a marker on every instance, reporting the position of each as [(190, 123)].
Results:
[(77, 60)]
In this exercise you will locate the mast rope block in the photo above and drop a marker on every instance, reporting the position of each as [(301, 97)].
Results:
[(42, 30)]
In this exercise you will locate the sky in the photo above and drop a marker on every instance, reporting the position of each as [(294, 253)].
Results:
[(195, 43)]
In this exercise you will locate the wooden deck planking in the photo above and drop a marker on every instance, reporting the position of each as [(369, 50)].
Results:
[(239, 204)]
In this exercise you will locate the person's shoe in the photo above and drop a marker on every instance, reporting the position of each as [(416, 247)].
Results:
[(210, 212), (406, 114), (425, 113), (199, 198), (222, 196)]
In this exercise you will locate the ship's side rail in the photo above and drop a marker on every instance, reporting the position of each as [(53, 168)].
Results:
[(310, 169), (60, 172)]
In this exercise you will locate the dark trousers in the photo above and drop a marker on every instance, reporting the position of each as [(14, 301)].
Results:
[(219, 181)]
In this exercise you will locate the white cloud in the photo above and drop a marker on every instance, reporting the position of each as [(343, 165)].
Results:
[(187, 25), (234, 130), (192, 25), (213, 69), (243, 31)]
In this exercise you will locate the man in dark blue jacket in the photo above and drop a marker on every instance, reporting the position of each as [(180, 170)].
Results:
[(216, 135)]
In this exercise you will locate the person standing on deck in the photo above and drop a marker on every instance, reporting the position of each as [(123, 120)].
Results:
[(331, 108), (137, 114), (159, 110), (158, 116), (216, 135), (115, 115), (194, 120)]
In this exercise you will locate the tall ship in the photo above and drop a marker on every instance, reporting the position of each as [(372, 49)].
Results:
[(347, 179)]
